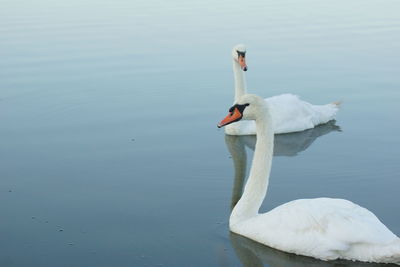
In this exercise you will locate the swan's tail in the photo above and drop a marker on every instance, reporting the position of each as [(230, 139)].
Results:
[(376, 253), (390, 253), (337, 103), (325, 113)]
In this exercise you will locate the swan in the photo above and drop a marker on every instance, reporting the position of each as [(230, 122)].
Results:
[(289, 112), (323, 228)]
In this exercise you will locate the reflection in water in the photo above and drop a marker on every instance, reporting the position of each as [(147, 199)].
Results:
[(236, 147), (284, 145), (249, 252), (292, 143)]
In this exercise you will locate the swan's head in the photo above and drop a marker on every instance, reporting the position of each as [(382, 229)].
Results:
[(248, 107), (239, 55)]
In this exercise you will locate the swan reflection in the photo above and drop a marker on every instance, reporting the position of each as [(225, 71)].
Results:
[(291, 144), (284, 145)]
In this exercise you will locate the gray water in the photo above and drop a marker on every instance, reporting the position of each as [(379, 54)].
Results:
[(110, 155)]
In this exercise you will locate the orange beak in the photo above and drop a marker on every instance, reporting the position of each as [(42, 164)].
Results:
[(242, 63), (232, 117)]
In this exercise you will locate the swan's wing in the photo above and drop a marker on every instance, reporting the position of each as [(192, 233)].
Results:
[(291, 114), (318, 227), (337, 218)]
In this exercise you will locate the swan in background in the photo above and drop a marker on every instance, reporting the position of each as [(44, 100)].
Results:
[(323, 228), (289, 112)]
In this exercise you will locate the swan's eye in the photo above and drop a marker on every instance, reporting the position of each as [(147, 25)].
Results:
[(241, 54), (239, 107)]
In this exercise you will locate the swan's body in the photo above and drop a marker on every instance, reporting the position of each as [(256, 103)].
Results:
[(288, 111), (322, 228)]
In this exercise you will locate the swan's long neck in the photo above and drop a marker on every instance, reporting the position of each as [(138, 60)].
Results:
[(240, 83), (257, 184)]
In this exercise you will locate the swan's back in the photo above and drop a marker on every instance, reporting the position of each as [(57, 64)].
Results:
[(324, 228), (289, 114)]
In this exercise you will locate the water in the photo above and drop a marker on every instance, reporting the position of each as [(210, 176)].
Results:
[(110, 155)]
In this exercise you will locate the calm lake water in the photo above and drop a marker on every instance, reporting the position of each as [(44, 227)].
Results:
[(110, 154)]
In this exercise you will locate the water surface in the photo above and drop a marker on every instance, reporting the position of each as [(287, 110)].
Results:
[(110, 155)]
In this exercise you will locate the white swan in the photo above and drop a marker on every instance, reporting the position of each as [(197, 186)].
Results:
[(322, 228), (289, 113)]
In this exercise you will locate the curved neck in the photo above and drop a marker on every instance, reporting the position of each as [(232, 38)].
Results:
[(257, 183), (240, 83)]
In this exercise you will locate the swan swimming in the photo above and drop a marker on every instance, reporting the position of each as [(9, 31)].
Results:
[(323, 228), (289, 112)]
